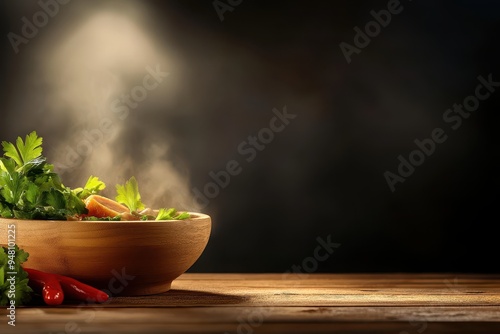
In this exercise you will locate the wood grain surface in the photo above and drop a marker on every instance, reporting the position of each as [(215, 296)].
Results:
[(276, 303), (96, 252)]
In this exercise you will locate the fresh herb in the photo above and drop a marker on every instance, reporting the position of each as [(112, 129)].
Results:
[(13, 287), (29, 188), (129, 196), (171, 214), (93, 218), (93, 187)]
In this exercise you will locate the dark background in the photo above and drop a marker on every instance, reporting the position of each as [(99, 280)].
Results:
[(323, 175)]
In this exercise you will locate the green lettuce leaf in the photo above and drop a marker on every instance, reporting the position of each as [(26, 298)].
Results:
[(129, 196)]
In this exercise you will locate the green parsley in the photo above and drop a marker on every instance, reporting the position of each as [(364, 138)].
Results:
[(10, 261), (29, 188), (110, 219)]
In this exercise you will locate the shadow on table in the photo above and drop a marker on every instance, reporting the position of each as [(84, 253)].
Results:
[(174, 298), (178, 298), (171, 298)]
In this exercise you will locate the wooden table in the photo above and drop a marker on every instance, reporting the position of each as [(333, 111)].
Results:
[(294, 303)]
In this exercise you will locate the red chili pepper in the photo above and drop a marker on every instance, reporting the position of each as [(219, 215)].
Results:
[(53, 287), (80, 291), (46, 284)]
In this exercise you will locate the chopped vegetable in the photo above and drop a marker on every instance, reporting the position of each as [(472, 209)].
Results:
[(171, 214), (13, 287), (101, 207), (30, 189), (129, 196), (93, 187), (110, 219)]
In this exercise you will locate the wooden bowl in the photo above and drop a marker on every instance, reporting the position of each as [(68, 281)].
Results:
[(122, 258)]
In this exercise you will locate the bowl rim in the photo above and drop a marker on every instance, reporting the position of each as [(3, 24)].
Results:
[(195, 217)]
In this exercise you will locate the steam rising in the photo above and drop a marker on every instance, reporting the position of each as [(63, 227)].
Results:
[(89, 74)]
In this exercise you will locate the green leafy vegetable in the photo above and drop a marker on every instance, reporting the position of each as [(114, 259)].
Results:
[(171, 214), (13, 286), (29, 188), (129, 196), (26, 151), (93, 218), (92, 187)]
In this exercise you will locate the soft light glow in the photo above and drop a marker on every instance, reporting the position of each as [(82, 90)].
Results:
[(108, 40), (89, 71)]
